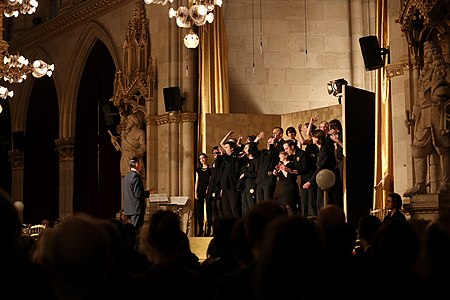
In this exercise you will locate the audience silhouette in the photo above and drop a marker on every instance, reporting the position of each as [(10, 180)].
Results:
[(242, 279), (265, 254), (80, 258), (22, 278), (161, 240), (286, 266), (395, 254)]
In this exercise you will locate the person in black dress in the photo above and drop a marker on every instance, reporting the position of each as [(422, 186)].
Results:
[(202, 176), (286, 173)]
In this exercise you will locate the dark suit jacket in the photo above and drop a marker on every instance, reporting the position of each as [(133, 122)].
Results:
[(325, 160), (134, 194), (268, 159), (304, 164), (214, 180)]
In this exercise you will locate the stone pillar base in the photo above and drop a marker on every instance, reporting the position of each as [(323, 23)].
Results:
[(428, 206)]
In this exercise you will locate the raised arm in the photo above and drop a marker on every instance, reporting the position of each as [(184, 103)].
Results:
[(336, 139), (225, 138), (239, 141), (114, 141), (301, 139), (311, 122), (260, 136)]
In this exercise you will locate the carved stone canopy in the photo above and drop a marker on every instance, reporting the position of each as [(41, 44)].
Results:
[(134, 83), (423, 20)]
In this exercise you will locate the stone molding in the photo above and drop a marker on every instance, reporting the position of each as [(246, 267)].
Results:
[(16, 156), (173, 117), (428, 206), (65, 149), (396, 69)]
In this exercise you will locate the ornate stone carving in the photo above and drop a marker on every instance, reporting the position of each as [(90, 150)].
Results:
[(134, 83), (16, 157), (151, 120), (175, 117), (418, 18), (65, 149), (397, 69), (134, 87), (431, 121)]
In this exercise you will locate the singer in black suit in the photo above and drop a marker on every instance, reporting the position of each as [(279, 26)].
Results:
[(134, 194)]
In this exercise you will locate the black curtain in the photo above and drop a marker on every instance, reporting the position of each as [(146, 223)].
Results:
[(41, 164), (97, 178)]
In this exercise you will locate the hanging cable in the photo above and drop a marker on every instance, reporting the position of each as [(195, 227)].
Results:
[(306, 31), (253, 36), (260, 28), (187, 63)]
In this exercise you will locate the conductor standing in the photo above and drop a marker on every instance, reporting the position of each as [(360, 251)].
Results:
[(134, 194)]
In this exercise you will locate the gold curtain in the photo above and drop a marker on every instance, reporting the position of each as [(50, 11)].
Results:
[(384, 142), (213, 72)]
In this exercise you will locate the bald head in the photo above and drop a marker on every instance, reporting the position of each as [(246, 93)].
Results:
[(331, 215)]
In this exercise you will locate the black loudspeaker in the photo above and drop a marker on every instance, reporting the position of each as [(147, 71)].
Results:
[(172, 99), (371, 52), (18, 140), (111, 114)]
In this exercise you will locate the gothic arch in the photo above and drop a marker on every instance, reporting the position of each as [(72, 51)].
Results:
[(90, 35)]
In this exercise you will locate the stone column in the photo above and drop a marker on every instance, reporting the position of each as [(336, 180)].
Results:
[(17, 163), (187, 167), (151, 152), (176, 139), (65, 148), (174, 153), (147, 153), (187, 155)]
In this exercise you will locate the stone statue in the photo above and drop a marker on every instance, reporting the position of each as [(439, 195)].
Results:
[(430, 119), (132, 143)]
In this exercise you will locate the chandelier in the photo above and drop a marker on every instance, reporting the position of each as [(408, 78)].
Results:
[(15, 68), (198, 12)]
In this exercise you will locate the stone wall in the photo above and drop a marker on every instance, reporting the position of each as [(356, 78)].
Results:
[(282, 53)]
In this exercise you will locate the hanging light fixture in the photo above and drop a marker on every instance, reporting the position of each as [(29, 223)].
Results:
[(198, 12), (15, 68), (191, 40), (162, 2)]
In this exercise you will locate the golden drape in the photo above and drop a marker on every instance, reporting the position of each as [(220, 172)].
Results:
[(213, 72), (384, 142)]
